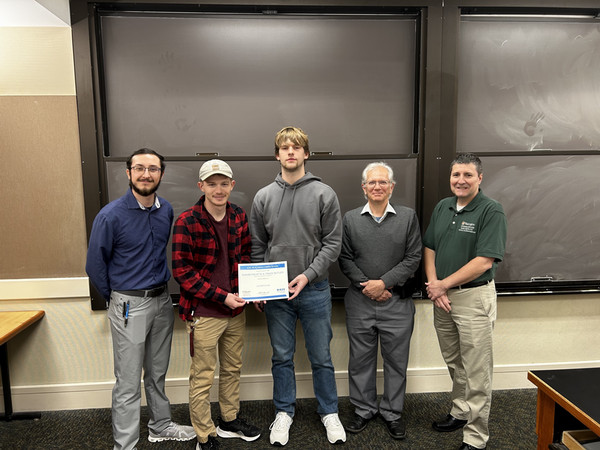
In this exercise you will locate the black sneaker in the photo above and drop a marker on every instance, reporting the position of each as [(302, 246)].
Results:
[(211, 444), (237, 428)]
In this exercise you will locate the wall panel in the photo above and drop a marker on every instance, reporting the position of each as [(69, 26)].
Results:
[(42, 223)]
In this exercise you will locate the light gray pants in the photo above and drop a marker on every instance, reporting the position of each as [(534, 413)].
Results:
[(370, 323), (144, 343)]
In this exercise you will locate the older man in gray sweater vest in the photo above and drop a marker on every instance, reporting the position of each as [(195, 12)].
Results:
[(381, 250)]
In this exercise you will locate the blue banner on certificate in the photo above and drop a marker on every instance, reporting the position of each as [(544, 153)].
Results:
[(263, 281)]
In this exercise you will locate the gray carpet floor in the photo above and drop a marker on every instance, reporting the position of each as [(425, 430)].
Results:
[(512, 426)]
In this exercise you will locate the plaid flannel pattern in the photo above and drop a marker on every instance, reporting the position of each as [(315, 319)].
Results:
[(195, 254)]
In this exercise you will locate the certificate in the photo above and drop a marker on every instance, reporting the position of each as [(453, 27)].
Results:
[(263, 281)]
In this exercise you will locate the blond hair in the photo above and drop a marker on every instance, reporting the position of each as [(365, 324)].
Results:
[(294, 134)]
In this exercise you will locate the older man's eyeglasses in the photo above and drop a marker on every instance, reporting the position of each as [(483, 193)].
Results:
[(141, 169), (382, 183)]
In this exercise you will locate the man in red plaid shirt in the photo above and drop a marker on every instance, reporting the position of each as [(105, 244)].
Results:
[(209, 241)]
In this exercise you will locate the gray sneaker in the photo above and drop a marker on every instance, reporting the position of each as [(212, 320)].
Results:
[(173, 432)]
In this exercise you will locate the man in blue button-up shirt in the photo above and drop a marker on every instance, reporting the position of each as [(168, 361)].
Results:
[(127, 264)]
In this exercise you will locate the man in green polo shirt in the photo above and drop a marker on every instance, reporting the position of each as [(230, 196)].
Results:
[(464, 243)]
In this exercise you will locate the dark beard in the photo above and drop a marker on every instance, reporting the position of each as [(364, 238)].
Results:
[(144, 192)]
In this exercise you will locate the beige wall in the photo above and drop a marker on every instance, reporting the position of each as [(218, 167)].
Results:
[(65, 360), (42, 224)]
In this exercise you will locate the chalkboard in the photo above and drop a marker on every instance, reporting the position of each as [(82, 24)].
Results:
[(528, 98), (553, 208), (526, 85), (220, 84)]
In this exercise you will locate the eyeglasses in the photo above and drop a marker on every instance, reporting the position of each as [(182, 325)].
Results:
[(382, 183), (141, 169)]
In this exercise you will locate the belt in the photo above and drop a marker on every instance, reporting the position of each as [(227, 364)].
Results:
[(152, 292), (403, 291), (472, 284)]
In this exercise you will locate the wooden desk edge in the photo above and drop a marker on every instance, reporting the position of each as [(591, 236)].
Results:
[(564, 402), (34, 317)]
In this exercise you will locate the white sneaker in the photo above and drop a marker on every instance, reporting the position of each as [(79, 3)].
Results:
[(335, 429), (280, 429)]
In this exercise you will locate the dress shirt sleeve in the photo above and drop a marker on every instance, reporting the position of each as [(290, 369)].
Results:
[(99, 253)]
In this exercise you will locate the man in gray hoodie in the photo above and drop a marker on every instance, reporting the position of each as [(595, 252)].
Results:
[(297, 219)]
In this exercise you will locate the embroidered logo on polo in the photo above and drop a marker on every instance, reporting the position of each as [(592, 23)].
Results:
[(467, 227)]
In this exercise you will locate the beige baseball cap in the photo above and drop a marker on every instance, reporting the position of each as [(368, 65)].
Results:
[(213, 167)]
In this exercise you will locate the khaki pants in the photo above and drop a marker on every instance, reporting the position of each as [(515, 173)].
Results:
[(212, 334), (465, 337)]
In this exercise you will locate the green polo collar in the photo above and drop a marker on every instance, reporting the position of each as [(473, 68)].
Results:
[(472, 204)]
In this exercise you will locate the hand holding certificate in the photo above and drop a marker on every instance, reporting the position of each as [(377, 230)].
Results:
[(263, 281)]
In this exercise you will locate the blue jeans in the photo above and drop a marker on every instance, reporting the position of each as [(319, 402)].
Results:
[(313, 308)]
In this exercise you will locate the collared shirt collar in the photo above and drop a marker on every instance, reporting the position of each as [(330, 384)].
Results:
[(156, 201), (388, 209), (472, 204)]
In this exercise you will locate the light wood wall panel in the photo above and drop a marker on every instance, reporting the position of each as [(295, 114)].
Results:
[(42, 222)]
